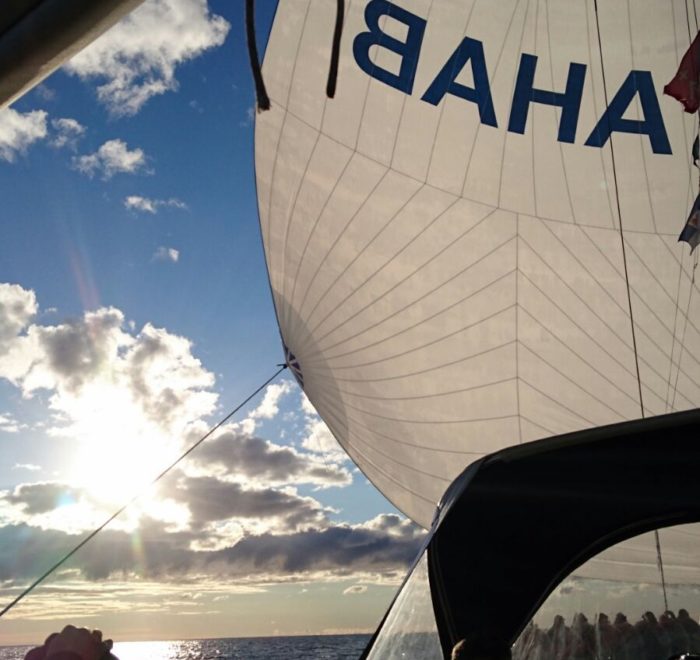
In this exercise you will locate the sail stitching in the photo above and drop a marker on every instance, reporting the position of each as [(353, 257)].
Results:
[(595, 93), (685, 325), (600, 318), (419, 397), (560, 144), (292, 213), (365, 202), (677, 313), (404, 279), (330, 93), (426, 319), (331, 195), (419, 372), (442, 106), (567, 346), (404, 101), (420, 347), (636, 232), (648, 308), (406, 206), (273, 175), (351, 447), (506, 136), (403, 443), (643, 150)]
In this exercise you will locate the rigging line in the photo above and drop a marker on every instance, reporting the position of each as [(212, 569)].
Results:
[(627, 281), (661, 567), (260, 91), (186, 453), (619, 215), (682, 341)]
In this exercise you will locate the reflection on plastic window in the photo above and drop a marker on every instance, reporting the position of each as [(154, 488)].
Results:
[(410, 630), (614, 606)]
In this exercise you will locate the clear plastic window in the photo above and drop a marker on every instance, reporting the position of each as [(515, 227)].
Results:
[(410, 630), (618, 606)]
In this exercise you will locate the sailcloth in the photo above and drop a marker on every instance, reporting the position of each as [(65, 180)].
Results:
[(474, 244)]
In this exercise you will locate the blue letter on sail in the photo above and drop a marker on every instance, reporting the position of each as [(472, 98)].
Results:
[(612, 119), (569, 101), (408, 50), (444, 83)]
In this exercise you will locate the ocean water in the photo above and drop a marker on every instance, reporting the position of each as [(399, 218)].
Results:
[(316, 647)]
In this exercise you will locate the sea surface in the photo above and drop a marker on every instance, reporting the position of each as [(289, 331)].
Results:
[(321, 647)]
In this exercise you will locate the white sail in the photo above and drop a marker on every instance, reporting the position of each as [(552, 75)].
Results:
[(475, 243)]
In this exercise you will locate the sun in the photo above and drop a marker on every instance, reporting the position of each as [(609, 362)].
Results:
[(120, 450)]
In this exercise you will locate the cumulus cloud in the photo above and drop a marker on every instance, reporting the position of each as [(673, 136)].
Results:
[(166, 254), (320, 440), (210, 499), (112, 388), (332, 552), (137, 58), (147, 205), (318, 437), (255, 459), (232, 510), (66, 132), (113, 157), (269, 406), (19, 130), (42, 497), (17, 307), (339, 549)]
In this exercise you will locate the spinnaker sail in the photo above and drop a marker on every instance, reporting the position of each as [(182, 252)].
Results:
[(474, 244)]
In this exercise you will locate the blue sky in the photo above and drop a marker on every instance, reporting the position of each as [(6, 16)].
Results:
[(134, 311)]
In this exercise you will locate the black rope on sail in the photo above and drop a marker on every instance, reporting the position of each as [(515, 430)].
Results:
[(263, 99), (96, 531), (335, 50)]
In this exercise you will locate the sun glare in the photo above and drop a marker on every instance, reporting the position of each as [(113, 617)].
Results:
[(120, 449)]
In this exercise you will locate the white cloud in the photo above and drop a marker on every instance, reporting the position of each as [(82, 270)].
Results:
[(320, 440), (19, 130), (269, 407), (67, 132), (166, 254), (117, 392), (113, 157), (242, 456), (45, 92), (17, 307), (355, 589), (8, 424), (26, 466), (147, 205), (137, 58), (306, 405), (132, 400)]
